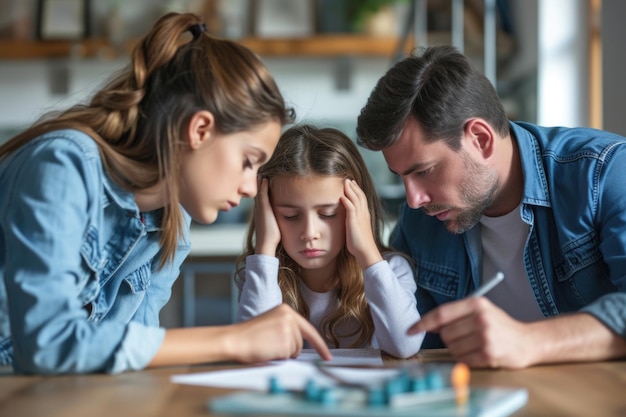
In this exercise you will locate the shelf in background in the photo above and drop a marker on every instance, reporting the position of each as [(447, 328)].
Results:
[(324, 45), (315, 46)]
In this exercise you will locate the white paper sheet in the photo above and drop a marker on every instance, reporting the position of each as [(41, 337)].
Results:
[(293, 374), (364, 357)]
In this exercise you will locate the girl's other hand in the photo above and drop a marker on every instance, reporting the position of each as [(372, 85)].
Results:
[(359, 236)]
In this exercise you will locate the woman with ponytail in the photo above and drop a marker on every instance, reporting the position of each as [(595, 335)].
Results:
[(97, 201)]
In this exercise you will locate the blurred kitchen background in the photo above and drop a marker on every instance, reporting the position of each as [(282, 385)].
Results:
[(553, 62)]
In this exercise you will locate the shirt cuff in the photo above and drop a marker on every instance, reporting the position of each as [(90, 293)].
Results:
[(609, 309), (254, 262), (139, 346)]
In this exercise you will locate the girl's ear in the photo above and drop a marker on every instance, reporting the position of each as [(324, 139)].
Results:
[(200, 128)]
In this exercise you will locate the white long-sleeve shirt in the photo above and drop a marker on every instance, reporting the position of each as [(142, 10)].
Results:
[(389, 289)]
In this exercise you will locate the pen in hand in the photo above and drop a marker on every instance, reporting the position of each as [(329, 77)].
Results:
[(480, 291), (488, 285)]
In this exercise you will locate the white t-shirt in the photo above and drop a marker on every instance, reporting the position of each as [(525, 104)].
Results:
[(503, 241)]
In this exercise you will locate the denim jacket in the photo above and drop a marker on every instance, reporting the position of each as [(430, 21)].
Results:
[(81, 286), (574, 201)]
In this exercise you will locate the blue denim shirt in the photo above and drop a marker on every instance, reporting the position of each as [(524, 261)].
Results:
[(81, 285), (575, 254)]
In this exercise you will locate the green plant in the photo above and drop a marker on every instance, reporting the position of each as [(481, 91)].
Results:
[(361, 10)]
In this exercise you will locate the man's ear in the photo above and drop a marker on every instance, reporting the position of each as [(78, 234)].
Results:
[(200, 128), (481, 136)]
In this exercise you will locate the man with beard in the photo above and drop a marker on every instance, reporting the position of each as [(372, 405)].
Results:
[(545, 206)]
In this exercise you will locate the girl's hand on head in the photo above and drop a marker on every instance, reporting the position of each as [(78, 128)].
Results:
[(266, 227), (359, 236)]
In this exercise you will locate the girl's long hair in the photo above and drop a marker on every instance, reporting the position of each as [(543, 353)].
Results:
[(139, 118), (306, 150)]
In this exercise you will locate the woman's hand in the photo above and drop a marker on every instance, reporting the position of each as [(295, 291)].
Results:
[(276, 334), (359, 236), (266, 227)]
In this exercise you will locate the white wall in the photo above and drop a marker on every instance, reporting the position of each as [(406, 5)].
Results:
[(310, 85), (562, 70), (25, 87)]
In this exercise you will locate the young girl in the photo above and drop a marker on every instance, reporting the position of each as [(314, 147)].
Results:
[(97, 201), (315, 244)]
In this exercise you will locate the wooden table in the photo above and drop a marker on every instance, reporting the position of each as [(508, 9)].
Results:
[(594, 389)]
